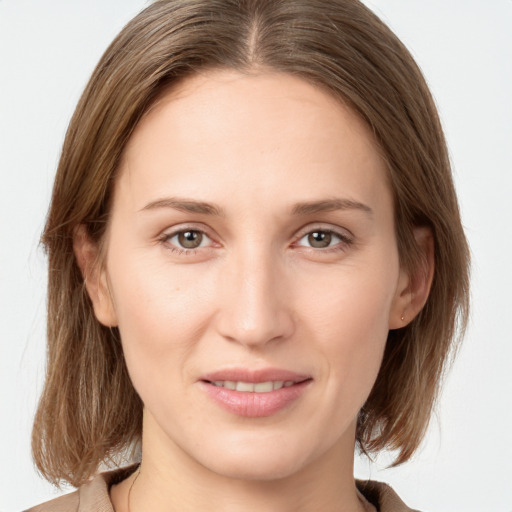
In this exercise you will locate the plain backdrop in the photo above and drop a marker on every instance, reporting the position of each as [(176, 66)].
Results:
[(47, 52)]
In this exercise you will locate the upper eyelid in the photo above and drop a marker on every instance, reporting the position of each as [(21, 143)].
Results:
[(329, 228), (166, 235), (172, 231), (343, 233), (344, 240)]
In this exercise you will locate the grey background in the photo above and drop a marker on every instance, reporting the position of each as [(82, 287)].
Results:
[(48, 50)]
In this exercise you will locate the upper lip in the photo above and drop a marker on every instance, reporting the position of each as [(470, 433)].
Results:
[(254, 376)]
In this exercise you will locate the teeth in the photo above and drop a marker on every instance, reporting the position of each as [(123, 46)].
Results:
[(244, 386), (263, 387), (251, 387)]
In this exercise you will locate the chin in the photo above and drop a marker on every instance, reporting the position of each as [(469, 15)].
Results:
[(253, 460), (271, 469)]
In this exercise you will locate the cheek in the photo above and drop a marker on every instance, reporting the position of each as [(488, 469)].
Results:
[(161, 315), (352, 300), (348, 317)]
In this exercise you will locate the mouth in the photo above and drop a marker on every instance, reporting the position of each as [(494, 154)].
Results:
[(254, 387), (255, 393)]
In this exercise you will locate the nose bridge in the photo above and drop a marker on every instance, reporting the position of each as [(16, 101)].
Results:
[(254, 311)]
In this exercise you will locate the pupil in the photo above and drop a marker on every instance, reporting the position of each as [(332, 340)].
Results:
[(190, 239), (320, 239)]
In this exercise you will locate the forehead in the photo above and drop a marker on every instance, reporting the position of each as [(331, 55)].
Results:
[(261, 133)]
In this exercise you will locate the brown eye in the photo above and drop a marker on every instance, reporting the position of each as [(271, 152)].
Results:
[(320, 239), (325, 240), (186, 241), (190, 239)]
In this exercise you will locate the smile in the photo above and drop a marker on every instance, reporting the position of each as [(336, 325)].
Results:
[(255, 394), (252, 387)]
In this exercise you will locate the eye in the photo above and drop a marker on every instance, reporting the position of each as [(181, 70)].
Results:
[(186, 240), (324, 239)]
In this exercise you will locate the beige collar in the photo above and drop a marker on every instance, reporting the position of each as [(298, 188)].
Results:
[(93, 496)]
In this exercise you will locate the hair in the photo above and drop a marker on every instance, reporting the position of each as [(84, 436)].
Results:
[(89, 412)]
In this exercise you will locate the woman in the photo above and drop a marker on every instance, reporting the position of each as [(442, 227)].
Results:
[(256, 262)]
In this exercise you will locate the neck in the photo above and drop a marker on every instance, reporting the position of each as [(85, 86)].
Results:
[(170, 480)]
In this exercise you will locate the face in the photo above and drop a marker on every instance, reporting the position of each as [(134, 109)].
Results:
[(252, 270)]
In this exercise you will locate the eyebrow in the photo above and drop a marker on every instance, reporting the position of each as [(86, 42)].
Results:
[(329, 205), (185, 205), (298, 209)]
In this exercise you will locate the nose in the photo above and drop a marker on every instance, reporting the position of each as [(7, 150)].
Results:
[(254, 309)]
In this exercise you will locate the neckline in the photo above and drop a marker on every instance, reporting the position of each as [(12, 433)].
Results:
[(117, 475)]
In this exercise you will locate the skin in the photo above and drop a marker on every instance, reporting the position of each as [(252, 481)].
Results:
[(259, 291)]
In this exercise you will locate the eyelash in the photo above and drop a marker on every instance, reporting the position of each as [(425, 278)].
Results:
[(178, 250), (345, 241)]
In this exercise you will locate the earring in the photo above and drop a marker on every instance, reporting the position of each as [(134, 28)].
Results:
[(402, 317)]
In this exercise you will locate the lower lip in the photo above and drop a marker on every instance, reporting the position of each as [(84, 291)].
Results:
[(255, 405)]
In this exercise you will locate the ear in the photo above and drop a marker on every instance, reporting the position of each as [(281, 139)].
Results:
[(413, 288), (87, 255)]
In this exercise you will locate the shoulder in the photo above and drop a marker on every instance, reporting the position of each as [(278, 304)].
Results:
[(93, 496), (66, 503), (382, 496)]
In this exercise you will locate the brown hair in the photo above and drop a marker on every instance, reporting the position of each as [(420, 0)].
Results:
[(89, 411)]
